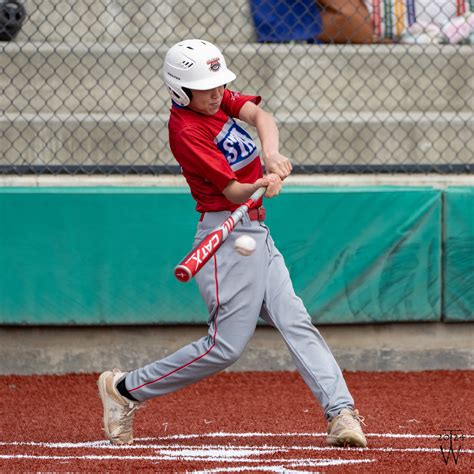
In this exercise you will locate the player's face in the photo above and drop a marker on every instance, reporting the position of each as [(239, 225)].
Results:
[(207, 102)]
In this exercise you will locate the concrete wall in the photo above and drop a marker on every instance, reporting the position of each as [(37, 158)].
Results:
[(381, 347)]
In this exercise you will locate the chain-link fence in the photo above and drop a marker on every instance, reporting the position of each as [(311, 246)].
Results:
[(81, 88)]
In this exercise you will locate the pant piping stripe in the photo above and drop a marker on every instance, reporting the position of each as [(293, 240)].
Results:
[(205, 353)]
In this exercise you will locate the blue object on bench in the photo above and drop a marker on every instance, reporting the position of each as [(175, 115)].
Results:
[(286, 20)]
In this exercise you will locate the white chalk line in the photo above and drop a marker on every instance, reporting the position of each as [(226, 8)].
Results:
[(104, 444), (245, 455), (226, 450), (220, 434), (283, 467), (206, 450)]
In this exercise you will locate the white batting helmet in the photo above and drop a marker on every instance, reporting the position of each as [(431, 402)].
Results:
[(194, 64)]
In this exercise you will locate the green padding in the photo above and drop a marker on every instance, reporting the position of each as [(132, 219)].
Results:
[(106, 255), (366, 255), (94, 256), (458, 303)]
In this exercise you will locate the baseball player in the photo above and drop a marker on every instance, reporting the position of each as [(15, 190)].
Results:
[(222, 166)]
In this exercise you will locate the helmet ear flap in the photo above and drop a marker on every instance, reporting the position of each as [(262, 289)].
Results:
[(188, 92), (179, 96)]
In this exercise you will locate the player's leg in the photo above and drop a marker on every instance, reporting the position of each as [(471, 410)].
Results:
[(312, 356), (233, 291), (233, 295)]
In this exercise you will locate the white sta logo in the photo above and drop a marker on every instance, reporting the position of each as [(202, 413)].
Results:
[(237, 145)]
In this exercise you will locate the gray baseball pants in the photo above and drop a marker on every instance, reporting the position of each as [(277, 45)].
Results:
[(237, 290)]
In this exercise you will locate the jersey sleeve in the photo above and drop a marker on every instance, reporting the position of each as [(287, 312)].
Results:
[(197, 154), (232, 102)]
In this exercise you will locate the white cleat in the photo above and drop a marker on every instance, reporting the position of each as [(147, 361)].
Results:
[(118, 410), (345, 430)]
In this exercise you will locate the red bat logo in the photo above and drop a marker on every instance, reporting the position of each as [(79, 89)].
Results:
[(204, 251), (199, 256)]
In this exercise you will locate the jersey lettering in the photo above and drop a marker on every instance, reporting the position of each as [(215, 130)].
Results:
[(236, 145)]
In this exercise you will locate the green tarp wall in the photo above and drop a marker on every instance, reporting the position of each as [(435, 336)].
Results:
[(362, 255), (95, 256), (458, 257), (106, 255)]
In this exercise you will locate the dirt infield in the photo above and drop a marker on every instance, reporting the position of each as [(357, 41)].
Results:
[(242, 422)]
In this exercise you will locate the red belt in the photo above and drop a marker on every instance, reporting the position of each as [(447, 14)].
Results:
[(255, 214)]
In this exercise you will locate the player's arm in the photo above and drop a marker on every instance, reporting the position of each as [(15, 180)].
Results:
[(267, 131), (237, 192)]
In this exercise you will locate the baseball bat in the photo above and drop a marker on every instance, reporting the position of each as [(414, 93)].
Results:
[(197, 258)]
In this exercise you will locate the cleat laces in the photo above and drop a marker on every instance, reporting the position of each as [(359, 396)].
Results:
[(353, 420), (125, 419)]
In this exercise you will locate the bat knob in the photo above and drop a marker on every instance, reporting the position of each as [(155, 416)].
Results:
[(182, 273)]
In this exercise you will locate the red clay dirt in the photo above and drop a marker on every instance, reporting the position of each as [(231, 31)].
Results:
[(242, 422)]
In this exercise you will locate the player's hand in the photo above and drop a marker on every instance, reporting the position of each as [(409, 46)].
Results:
[(272, 182), (279, 164)]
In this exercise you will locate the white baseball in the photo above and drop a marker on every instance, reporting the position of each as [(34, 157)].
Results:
[(245, 245)]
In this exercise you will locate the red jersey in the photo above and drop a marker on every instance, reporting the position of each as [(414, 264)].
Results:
[(213, 150)]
